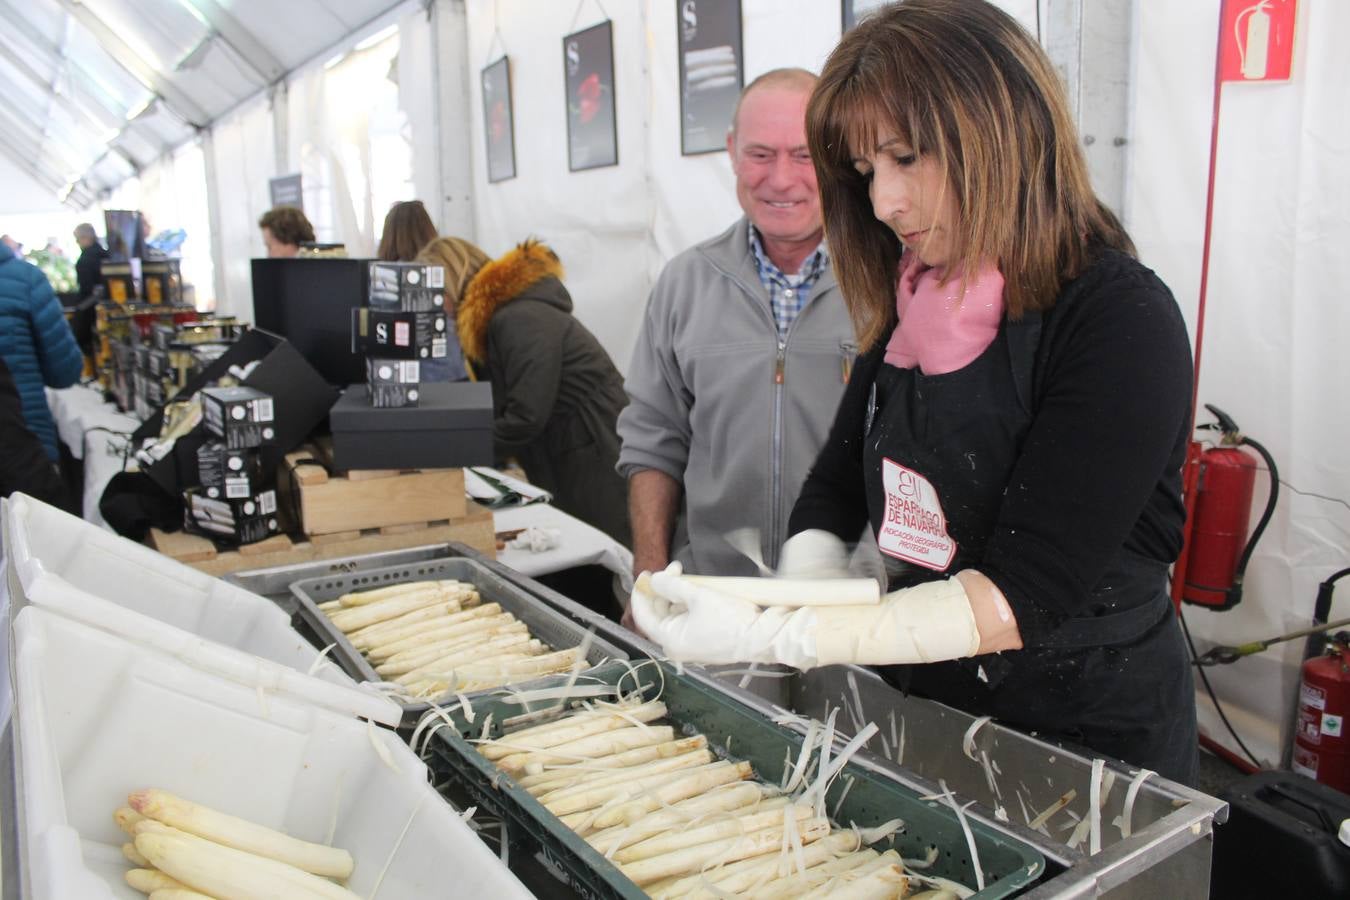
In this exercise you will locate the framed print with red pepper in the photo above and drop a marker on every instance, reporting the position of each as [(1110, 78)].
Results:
[(588, 69), (498, 121)]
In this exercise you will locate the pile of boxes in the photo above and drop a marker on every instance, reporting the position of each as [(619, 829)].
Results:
[(236, 501), (402, 327), (150, 358)]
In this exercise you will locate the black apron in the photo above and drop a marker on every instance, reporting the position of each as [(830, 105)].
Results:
[(937, 455)]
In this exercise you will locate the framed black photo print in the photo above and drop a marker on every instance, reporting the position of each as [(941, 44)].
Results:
[(588, 67), (711, 71), (499, 121)]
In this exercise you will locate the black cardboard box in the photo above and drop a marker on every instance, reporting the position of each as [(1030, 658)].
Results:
[(228, 474), (393, 383), (301, 395), (451, 427), (240, 416)]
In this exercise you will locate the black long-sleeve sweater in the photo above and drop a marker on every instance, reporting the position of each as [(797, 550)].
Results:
[(1100, 467)]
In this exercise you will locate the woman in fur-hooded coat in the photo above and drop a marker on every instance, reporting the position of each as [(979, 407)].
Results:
[(556, 394)]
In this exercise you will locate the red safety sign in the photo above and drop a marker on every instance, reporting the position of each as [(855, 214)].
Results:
[(1257, 40)]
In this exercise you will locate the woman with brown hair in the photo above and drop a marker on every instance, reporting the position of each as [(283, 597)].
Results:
[(461, 262), (1014, 430), (407, 229)]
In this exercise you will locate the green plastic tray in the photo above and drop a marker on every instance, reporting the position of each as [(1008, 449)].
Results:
[(1008, 863)]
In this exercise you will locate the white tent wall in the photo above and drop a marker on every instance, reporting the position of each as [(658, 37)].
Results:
[(614, 228), (173, 195), (243, 160), (1275, 323)]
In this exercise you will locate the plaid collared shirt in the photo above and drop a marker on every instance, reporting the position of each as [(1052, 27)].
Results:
[(787, 293)]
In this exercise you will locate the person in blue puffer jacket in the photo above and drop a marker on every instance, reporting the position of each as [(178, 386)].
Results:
[(35, 342)]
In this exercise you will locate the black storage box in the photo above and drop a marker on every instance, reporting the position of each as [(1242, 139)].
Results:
[(452, 427), (228, 474), (240, 416), (1284, 826), (301, 395)]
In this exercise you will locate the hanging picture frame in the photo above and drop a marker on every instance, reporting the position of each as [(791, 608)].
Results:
[(712, 72), (588, 70), (499, 121), (853, 10)]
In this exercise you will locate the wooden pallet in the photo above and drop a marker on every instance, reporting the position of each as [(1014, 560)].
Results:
[(335, 504), (474, 529)]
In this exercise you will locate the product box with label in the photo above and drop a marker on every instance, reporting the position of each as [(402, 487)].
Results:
[(241, 416), (228, 474), (399, 335), (227, 520), (451, 426), (412, 287), (393, 383)]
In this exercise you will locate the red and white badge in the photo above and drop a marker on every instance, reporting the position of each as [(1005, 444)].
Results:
[(913, 527)]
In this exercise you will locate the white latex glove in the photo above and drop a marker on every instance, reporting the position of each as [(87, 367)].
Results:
[(927, 623), (699, 624), (814, 553)]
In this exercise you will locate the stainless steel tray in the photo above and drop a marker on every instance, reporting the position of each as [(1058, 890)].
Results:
[(275, 583)]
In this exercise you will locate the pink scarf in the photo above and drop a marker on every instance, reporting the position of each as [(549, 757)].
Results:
[(943, 328)]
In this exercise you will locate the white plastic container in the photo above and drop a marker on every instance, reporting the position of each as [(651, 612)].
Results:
[(98, 717), (75, 568)]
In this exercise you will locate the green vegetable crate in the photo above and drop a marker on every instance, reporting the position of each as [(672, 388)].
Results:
[(736, 732)]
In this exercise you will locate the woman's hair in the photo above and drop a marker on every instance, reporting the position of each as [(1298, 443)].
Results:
[(461, 261), (962, 82), (407, 229), (288, 225)]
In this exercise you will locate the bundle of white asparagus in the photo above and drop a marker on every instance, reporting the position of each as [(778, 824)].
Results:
[(679, 821), (185, 851), (437, 636)]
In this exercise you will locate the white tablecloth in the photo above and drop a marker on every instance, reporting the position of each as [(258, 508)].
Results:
[(578, 544), (96, 433)]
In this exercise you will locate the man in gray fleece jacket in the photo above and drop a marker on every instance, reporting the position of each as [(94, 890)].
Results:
[(742, 358)]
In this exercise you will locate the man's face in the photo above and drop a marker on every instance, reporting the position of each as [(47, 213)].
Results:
[(775, 181), (275, 248), (84, 242)]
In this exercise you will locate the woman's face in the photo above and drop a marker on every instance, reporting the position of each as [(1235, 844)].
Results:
[(910, 196)]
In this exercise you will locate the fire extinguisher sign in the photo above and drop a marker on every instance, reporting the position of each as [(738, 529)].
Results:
[(1256, 40)]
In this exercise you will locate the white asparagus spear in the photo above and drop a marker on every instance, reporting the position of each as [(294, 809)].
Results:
[(495, 676), (699, 756), (358, 617), (179, 894), (603, 743), (126, 819), (445, 673), (474, 644), (884, 882), (478, 629), (627, 712), (691, 859), (543, 779), (227, 873), (417, 624), (798, 883), (696, 782), (147, 881), (713, 831), (432, 631), (589, 796), (741, 876), (361, 598), (794, 591), (329, 606), (241, 834), (134, 857), (730, 800)]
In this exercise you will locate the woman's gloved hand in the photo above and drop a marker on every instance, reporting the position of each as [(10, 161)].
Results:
[(698, 624), (814, 553), (694, 623)]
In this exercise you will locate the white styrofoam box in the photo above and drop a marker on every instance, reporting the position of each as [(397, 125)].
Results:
[(98, 717), (70, 566)]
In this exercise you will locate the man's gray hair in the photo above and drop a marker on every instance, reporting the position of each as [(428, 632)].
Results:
[(85, 230)]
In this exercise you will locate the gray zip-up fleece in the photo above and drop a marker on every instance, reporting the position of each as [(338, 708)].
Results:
[(717, 402)]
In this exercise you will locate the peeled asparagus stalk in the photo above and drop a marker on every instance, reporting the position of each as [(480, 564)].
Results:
[(554, 734), (446, 674), (692, 859), (178, 894), (604, 743), (799, 883), (358, 617), (361, 598), (462, 651), (147, 881), (418, 624), (692, 784), (713, 831), (126, 819), (733, 799), (133, 855), (883, 882), (241, 834), (588, 796), (794, 591), (697, 757), (231, 874), (741, 876), (543, 779)]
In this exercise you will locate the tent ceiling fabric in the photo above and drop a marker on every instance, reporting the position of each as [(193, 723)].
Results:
[(96, 89)]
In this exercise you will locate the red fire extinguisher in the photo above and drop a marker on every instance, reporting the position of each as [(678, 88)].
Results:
[(1218, 483), (1321, 745)]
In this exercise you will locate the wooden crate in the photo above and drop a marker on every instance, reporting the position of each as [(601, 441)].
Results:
[(338, 503), (474, 529)]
